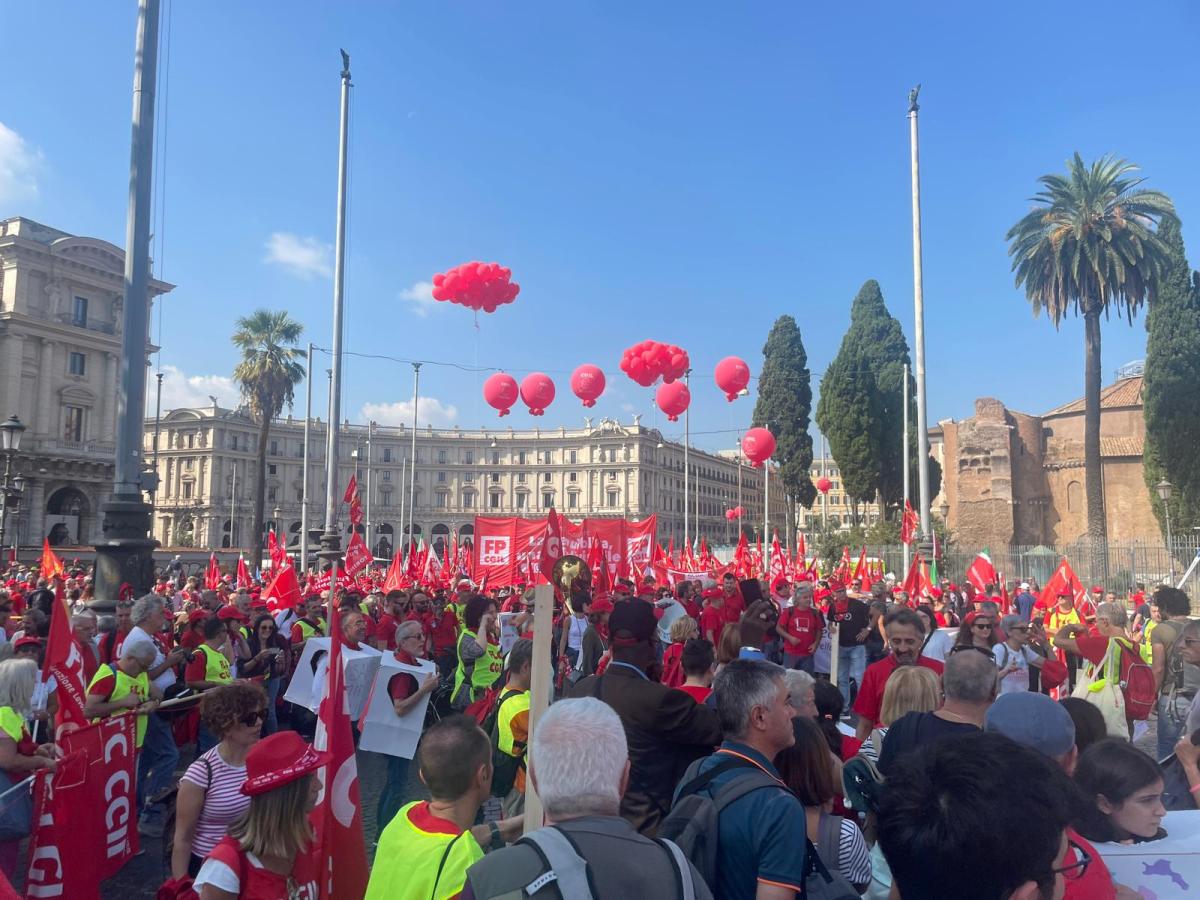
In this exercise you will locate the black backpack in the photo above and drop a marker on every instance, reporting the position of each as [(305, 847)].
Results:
[(504, 767), (692, 822)]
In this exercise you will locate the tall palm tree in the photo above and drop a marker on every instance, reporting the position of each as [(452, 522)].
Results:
[(267, 375), (1088, 245)]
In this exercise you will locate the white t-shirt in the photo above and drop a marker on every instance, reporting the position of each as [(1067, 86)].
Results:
[(138, 635), (1017, 680), (939, 644)]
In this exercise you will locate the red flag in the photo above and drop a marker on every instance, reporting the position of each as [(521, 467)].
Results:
[(284, 590), (601, 583), (337, 817), (1063, 577), (356, 511), (912, 581), (64, 663), (860, 567), (51, 565), (394, 580), (671, 551), (277, 551), (909, 523), (212, 575), (981, 572), (351, 490), (842, 570), (551, 546), (738, 562), (243, 575), (779, 566), (358, 557)]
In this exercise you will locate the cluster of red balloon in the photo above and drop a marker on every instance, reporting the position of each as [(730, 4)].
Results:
[(648, 361), (758, 444), (736, 513), (477, 285)]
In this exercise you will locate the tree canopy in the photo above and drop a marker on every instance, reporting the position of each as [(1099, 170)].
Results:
[(850, 415)]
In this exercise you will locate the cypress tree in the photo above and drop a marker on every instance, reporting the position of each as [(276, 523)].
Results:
[(1170, 395), (785, 401), (850, 415)]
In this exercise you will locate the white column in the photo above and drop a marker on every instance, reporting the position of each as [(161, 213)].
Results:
[(45, 413), (14, 350)]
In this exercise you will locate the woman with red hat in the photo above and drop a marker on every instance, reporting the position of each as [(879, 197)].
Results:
[(267, 854)]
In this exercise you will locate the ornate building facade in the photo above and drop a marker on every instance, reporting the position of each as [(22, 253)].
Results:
[(60, 351), (205, 459)]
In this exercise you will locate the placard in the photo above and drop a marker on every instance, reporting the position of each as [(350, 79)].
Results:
[(309, 681), (382, 730), (508, 632), (1161, 869)]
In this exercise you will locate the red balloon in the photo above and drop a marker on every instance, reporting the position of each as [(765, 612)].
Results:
[(500, 392), (739, 511), (673, 399), (647, 361), (476, 285), (732, 375), (587, 383), (537, 390), (824, 484), (758, 444), (730, 515)]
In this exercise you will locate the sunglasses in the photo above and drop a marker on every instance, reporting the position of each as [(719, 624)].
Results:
[(267, 629), (982, 626), (253, 718)]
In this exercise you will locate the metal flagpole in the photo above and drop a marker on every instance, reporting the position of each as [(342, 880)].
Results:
[(687, 437), (904, 507), (304, 473), (370, 435), (412, 471), (766, 501), (331, 540), (919, 321), (824, 494)]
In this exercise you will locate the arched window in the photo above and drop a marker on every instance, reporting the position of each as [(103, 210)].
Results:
[(1074, 496)]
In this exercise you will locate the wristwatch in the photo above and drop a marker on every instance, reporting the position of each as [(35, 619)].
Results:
[(497, 842)]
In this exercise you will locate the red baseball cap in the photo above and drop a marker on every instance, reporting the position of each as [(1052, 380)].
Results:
[(835, 584), (26, 641), (197, 615), (232, 612), (602, 605), (280, 759)]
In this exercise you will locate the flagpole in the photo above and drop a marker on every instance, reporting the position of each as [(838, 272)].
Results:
[(331, 540), (919, 319), (412, 471), (766, 500), (687, 437), (304, 473), (370, 435), (904, 506), (403, 473)]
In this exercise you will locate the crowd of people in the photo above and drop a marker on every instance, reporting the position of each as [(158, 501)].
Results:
[(726, 738)]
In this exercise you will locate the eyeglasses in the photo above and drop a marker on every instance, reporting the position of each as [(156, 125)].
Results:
[(988, 653), (1074, 871), (253, 718), (982, 626), (412, 637)]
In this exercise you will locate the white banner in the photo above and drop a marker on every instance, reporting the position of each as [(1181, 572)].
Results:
[(1161, 869)]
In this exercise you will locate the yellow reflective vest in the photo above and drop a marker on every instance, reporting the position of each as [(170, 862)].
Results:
[(411, 850), (124, 686)]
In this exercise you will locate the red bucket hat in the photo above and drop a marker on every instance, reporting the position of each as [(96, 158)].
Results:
[(279, 759)]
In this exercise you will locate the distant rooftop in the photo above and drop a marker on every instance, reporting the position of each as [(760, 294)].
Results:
[(1124, 393), (31, 230)]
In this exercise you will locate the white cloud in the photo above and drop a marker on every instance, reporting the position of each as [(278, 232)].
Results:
[(20, 165), (420, 295), (304, 257), (182, 390), (430, 411)]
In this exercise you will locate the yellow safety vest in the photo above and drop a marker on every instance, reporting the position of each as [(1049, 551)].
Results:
[(513, 706), (308, 630), (408, 857), (125, 685), (12, 723), (216, 666), (486, 668)]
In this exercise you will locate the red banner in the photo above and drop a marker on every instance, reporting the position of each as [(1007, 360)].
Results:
[(358, 557), (64, 663), (85, 815), (507, 548)]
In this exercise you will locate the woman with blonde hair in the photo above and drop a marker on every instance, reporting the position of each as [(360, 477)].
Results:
[(909, 689), (683, 629), (268, 850), (19, 755), (730, 644)]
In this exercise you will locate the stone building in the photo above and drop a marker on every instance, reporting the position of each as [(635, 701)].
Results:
[(60, 347), (205, 460), (1014, 478)]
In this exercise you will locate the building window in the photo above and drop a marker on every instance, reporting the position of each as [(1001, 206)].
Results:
[(494, 501), (521, 500), (573, 477), (441, 457), (495, 457), (573, 457), (572, 501), (79, 312), (468, 478), (188, 465), (521, 458), (441, 478), (73, 423), (440, 500), (469, 457), (495, 478), (387, 474), (546, 477), (191, 441), (300, 495), (547, 500), (76, 363), (613, 498), (520, 478), (387, 454), (271, 469), (187, 490), (468, 500), (274, 448), (270, 495)]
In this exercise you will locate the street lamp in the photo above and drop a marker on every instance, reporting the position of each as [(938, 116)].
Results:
[(10, 442), (944, 509), (1164, 489)]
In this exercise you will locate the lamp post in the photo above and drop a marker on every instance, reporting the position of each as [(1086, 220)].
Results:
[(10, 442), (1164, 489), (18, 494)]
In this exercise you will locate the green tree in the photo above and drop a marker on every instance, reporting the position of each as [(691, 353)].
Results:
[(1089, 245), (785, 403), (267, 375), (1172, 402), (850, 414)]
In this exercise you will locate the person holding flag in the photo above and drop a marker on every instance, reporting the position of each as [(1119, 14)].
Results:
[(19, 755)]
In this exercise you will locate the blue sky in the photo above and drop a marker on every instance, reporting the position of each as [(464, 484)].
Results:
[(682, 172)]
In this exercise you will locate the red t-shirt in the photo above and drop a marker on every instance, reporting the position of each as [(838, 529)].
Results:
[(870, 696), (691, 607), (263, 884), (735, 605), (445, 630), (804, 624), (404, 685), (191, 639), (712, 622), (386, 630), (1093, 648), (512, 603), (672, 672), (1096, 882), (697, 693)]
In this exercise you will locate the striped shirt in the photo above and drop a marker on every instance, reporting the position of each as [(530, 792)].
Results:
[(223, 799), (854, 859)]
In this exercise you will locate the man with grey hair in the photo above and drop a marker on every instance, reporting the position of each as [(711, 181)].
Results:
[(761, 832), (156, 762), (969, 685), (579, 765), (1111, 635)]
